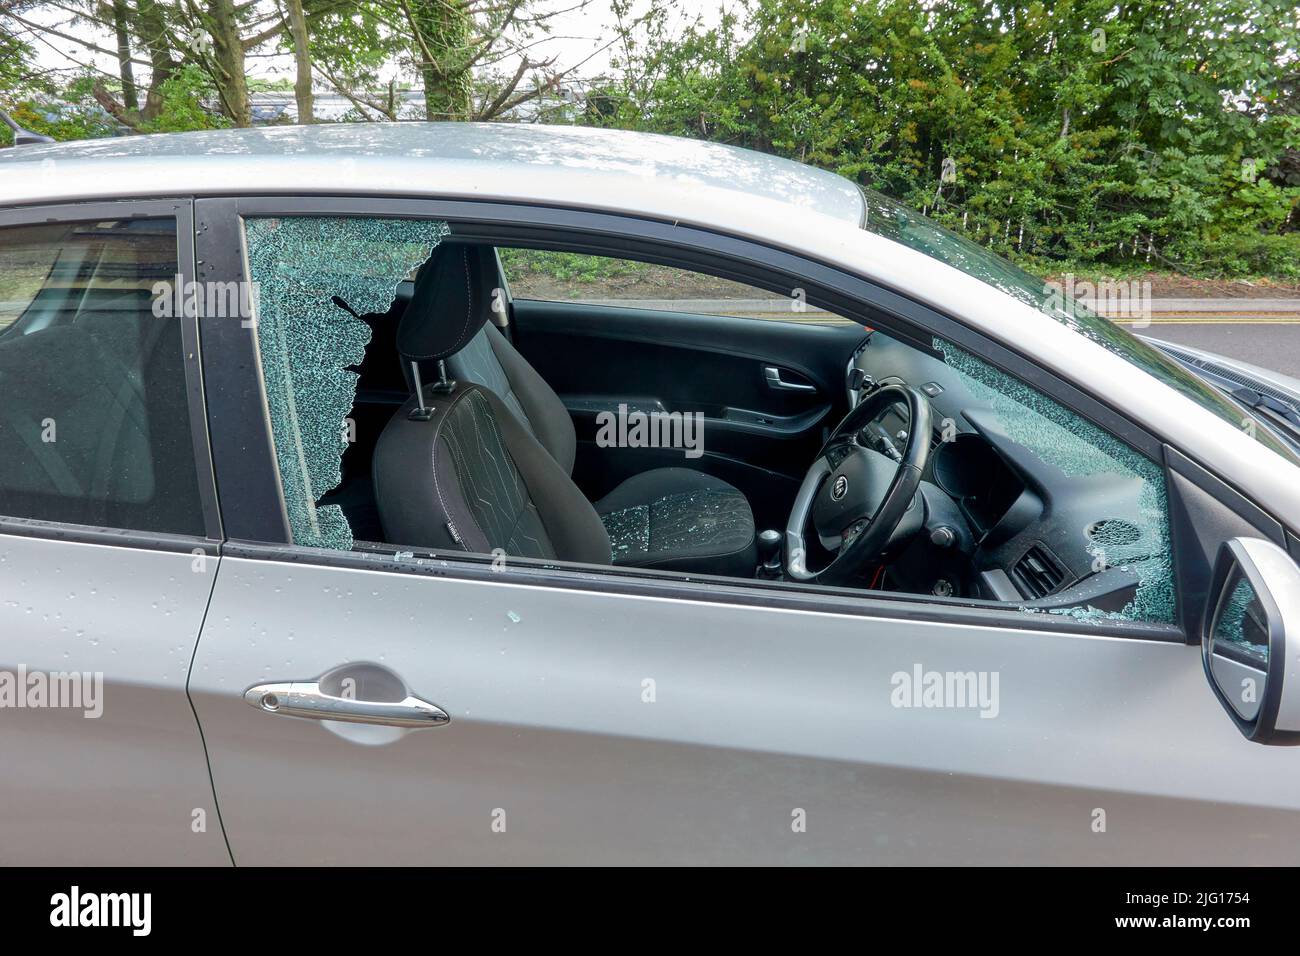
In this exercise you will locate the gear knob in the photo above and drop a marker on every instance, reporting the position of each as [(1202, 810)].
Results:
[(769, 546)]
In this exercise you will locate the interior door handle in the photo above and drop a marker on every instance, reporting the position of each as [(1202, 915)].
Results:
[(774, 380), (306, 699)]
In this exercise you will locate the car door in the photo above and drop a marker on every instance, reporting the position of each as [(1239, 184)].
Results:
[(108, 540), (518, 711)]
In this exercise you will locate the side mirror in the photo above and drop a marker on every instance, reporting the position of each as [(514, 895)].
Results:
[(1251, 644)]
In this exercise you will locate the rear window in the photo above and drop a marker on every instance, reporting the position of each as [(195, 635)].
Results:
[(25, 266), (94, 421)]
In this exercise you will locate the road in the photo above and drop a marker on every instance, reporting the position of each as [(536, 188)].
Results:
[(1271, 341)]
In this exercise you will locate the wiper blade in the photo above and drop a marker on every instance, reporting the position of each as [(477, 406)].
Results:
[(1253, 399)]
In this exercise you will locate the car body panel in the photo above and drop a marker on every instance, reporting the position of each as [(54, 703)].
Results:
[(284, 159), (130, 787), (1287, 387), (756, 713)]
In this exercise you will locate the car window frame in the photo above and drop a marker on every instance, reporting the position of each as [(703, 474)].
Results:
[(259, 529), (182, 211), (787, 314)]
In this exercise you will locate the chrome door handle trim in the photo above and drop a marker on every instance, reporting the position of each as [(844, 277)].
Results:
[(306, 699), (773, 376)]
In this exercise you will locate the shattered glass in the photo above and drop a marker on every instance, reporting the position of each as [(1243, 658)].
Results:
[(891, 219), (679, 521), (308, 345), (628, 530), (1071, 443)]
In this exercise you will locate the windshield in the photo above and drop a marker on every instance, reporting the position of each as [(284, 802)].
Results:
[(892, 220)]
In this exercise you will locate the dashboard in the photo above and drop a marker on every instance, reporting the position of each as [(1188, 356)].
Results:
[(973, 475), (1000, 522)]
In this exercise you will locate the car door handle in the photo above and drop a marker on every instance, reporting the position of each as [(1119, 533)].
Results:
[(774, 380), (306, 699)]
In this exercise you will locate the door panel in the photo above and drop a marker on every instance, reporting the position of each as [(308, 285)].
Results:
[(758, 434), (758, 713), (120, 789)]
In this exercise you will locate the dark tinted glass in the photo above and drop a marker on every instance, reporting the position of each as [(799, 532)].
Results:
[(94, 426)]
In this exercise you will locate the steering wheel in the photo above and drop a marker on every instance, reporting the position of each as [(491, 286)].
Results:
[(860, 499)]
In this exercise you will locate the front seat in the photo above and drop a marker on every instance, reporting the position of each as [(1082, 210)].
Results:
[(484, 462)]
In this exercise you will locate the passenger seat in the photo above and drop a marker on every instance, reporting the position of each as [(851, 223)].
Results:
[(672, 518)]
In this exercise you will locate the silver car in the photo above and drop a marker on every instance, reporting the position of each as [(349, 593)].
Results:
[(477, 494)]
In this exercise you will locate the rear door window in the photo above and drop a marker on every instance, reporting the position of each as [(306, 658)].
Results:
[(94, 421)]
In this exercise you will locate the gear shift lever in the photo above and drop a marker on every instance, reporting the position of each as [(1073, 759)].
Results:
[(769, 554)]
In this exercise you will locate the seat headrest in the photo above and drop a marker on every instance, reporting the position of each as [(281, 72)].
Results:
[(451, 301)]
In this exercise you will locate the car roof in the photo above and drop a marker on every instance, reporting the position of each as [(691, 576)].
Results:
[(654, 172)]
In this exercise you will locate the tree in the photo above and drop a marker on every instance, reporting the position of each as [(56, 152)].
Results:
[(302, 86), (456, 47), (1075, 131)]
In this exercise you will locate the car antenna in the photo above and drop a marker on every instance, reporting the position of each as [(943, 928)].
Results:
[(22, 135)]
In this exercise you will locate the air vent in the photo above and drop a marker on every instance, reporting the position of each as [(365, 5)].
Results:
[(1038, 574)]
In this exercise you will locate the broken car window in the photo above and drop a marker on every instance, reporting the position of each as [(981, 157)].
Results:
[(309, 345)]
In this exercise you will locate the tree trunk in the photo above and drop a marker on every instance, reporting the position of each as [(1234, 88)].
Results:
[(130, 96), (150, 30), (443, 30), (302, 59), (228, 58)]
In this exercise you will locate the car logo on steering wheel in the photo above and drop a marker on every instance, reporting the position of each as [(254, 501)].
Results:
[(840, 488)]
